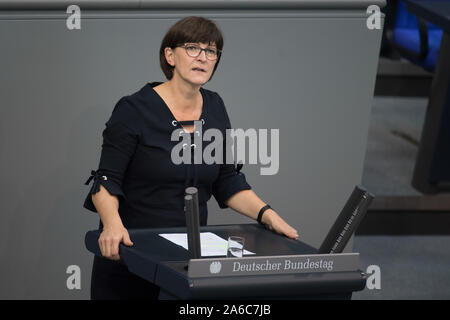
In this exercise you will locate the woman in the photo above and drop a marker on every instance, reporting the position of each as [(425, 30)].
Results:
[(137, 185)]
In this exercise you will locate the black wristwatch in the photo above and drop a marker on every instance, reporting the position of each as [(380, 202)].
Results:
[(261, 212)]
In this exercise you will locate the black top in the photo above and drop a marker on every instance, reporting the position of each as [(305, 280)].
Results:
[(136, 165)]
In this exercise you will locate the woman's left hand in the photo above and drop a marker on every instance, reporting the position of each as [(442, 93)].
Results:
[(277, 224)]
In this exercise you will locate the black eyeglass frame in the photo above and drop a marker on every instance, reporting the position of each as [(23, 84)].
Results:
[(185, 45)]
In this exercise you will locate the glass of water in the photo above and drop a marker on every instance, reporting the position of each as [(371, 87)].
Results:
[(235, 247)]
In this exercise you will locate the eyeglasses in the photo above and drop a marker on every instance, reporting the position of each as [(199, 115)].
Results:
[(194, 50)]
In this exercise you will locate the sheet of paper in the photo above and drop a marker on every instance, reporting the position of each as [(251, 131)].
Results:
[(210, 243)]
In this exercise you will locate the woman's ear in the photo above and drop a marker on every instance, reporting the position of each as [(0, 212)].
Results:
[(168, 53)]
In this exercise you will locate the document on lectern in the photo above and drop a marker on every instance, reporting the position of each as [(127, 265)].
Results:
[(211, 244)]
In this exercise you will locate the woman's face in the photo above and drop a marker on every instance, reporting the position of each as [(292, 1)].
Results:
[(195, 70)]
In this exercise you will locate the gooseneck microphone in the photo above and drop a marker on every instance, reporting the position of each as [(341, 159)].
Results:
[(191, 210)]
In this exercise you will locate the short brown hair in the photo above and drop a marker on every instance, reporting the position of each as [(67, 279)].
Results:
[(189, 29)]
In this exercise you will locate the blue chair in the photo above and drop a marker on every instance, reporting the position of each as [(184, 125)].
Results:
[(414, 38)]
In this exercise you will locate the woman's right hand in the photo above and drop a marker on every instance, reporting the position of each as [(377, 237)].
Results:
[(110, 238)]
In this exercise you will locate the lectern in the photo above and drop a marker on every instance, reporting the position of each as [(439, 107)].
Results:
[(281, 268)]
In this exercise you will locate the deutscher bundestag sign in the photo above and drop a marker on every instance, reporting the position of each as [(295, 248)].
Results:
[(225, 267)]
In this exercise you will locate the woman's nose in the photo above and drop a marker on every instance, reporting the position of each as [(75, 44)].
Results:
[(202, 55)]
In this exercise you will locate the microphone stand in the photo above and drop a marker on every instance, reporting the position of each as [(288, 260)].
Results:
[(192, 222)]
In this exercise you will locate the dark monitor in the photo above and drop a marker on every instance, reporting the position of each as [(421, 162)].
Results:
[(348, 220)]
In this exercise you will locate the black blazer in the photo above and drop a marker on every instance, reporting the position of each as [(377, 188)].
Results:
[(136, 166)]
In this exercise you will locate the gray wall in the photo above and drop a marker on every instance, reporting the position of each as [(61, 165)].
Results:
[(307, 71)]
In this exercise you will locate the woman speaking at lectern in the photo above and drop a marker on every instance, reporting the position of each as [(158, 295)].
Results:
[(137, 185)]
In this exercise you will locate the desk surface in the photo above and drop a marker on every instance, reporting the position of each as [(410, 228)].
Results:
[(152, 246), (162, 262), (434, 11)]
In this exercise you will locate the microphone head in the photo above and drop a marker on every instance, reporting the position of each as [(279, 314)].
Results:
[(191, 190)]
